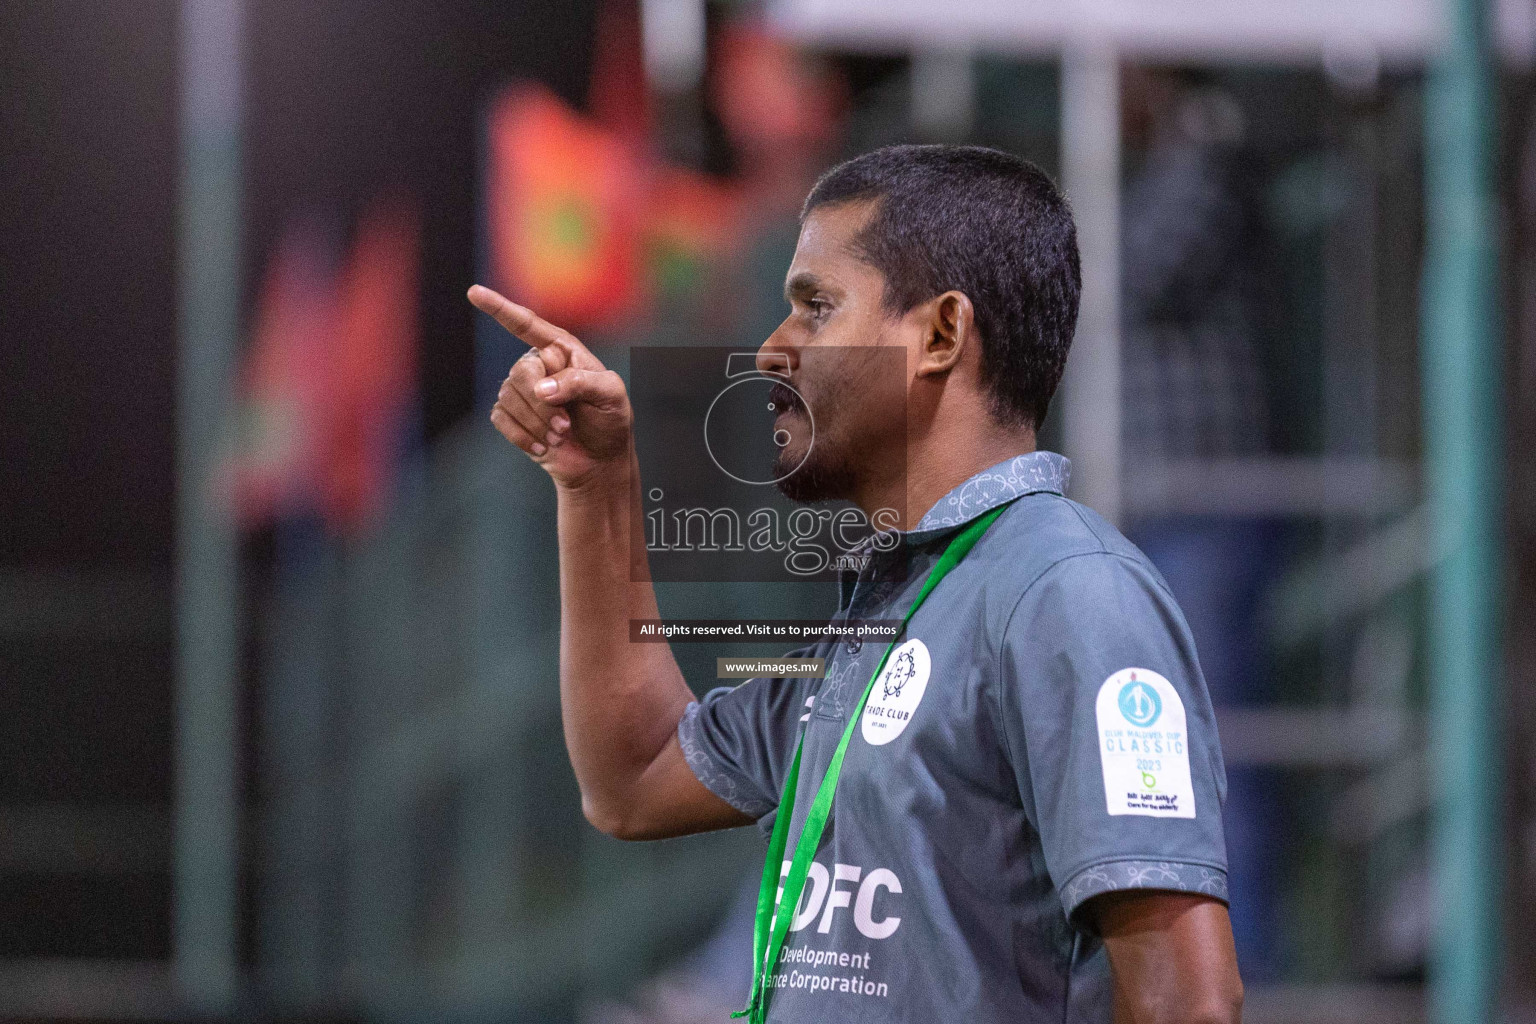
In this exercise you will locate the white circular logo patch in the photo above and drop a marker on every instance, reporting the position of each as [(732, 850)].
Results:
[(895, 696)]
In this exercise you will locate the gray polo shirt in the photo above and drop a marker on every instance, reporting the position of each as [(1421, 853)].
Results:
[(1041, 735)]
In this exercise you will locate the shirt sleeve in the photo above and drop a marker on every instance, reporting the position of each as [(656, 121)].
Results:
[(740, 740), (1111, 732)]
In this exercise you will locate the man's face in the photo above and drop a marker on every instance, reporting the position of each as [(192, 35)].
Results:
[(845, 357)]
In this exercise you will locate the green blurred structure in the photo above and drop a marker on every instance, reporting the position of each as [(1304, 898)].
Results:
[(1463, 452), (423, 852), (207, 577)]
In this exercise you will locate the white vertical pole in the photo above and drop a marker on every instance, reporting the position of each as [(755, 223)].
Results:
[(672, 32), (204, 948), (1090, 160), (944, 92)]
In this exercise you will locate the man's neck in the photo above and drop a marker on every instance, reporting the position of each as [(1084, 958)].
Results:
[(935, 466)]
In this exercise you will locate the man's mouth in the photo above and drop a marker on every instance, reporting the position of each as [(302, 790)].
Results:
[(785, 400)]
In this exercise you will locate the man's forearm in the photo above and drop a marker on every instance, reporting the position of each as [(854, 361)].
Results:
[(1172, 957), (620, 702)]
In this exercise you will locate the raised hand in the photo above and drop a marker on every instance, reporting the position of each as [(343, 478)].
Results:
[(559, 403)]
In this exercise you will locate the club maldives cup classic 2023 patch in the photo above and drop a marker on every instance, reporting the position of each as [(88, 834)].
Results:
[(1143, 746)]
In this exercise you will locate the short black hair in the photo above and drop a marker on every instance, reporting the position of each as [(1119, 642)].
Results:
[(985, 223)]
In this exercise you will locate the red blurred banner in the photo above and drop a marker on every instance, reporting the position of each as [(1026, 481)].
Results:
[(330, 375), (584, 228), (564, 207)]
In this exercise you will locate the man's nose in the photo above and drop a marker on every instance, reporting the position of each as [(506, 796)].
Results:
[(773, 363), (776, 358)]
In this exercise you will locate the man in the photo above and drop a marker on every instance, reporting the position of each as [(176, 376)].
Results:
[(1029, 828)]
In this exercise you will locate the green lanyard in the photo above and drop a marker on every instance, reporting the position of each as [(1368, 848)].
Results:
[(771, 928)]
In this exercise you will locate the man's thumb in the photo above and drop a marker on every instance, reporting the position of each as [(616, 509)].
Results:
[(594, 387)]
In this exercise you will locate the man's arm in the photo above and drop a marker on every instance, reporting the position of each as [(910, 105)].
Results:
[(1067, 656), (620, 702), (1171, 956)]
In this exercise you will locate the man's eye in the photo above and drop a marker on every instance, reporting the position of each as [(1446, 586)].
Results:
[(818, 308)]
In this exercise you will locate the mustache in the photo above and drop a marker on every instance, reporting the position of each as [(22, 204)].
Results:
[(784, 398)]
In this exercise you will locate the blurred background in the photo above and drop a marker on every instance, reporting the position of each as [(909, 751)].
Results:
[(279, 731)]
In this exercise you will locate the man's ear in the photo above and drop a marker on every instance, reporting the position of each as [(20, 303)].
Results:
[(948, 323)]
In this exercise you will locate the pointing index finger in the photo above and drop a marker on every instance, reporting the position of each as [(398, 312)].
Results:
[(520, 320)]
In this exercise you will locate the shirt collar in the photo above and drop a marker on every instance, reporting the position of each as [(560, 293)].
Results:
[(1009, 479)]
